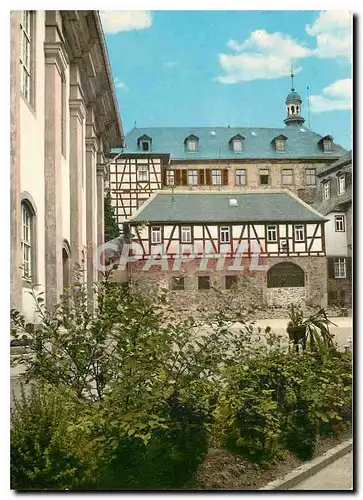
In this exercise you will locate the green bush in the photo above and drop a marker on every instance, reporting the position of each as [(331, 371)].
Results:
[(40, 456)]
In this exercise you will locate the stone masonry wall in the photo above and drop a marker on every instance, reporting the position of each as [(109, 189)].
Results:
[(251, 293)]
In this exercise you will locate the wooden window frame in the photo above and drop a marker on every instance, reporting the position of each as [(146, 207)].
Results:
[(268, 229), (284, 174), (326, 192), (143, 168), (224, 230), (340, 268), (237, 175), (153, 230), (184, 229), (339, 223), (309, 175), (342, 179), (298, 230), (215, 172), (193, 174), (170, 174), (264, 175)]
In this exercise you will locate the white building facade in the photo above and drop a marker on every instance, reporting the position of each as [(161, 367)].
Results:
[(64, 119)]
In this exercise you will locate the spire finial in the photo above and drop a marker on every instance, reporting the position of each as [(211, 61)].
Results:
[(292, 79)]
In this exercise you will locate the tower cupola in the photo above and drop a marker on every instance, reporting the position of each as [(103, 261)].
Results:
[(293, 107)]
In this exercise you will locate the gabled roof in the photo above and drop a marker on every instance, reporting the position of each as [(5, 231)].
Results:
[(214, 207), (343, 161), (214, 142)]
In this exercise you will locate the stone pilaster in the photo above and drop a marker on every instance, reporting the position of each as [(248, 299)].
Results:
[(76, 181), (101, 171), (55, 64), (91, 201), (15, 212)]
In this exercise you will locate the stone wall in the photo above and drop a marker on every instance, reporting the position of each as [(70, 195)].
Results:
[(250, 294)]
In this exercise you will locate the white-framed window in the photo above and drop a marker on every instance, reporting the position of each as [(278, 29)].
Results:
[(26, 241), (240, 176), (299, 233), (216, 177), (310, 176), (142, 173), (340, 267), (192, 177), (156, 234), (286, 177), (26, 53), (280, 144), (224, 234), (326, 190), (341, 184), (170, 177), (186, 234), (192, 144), (339, 223), (327, 145), (271, 234), (237, 145), (264, 176)]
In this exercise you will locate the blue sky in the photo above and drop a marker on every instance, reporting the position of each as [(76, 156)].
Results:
[(219, 68)]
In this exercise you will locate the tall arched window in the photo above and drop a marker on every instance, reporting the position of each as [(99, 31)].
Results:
[(28, 250), (285, 274)]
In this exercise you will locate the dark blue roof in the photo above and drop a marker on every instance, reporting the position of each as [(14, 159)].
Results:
[(214, 143), (293, 96)]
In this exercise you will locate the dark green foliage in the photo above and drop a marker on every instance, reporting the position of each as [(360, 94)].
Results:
[(111, 227)]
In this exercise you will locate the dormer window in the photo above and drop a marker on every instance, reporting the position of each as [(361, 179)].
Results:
[(280, 143), (191, 143), (327, 143), (144, 143), (236, 143)]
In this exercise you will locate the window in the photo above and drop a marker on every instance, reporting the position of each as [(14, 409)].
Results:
[(310, 176), (286, 177), (224, 234), (339, 223), (340, 270), (271, 234), (237, 145), (192, 177), (170, 177), (26, 54), (177, 283), (142, 173), (326, 190), (203, 283), (216, 177), (156, 234), (341, 184), (186, 234), (285, 274), (264, 177), (299, 233), (145, 145), (27, 241), (192, 144), (327, 145), (240, 177), (231, 282), (280, 144)]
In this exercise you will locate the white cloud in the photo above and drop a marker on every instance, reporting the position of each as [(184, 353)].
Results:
[(169, 64), (120, 85), (264, 55), (335, 97), (114, 21), (333, 32)]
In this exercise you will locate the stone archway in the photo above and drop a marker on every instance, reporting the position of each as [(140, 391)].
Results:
[(286, 285)]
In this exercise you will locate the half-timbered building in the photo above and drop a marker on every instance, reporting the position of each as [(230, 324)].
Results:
[(220, 158), (191, 241)]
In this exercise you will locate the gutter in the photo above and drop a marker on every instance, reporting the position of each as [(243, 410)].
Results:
[(109, 74)]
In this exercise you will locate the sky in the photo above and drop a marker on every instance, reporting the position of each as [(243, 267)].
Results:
[(220, 68)]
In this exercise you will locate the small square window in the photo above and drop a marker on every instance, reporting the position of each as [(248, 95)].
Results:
[(339, 223), (340, 270), (286, 177), (241, 177), (177, 283), (264, 177), (156, 234), (224, 234), (271, 234), (186, 234), (299, 233), (203, 282), (216, 177), (231, 282)]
